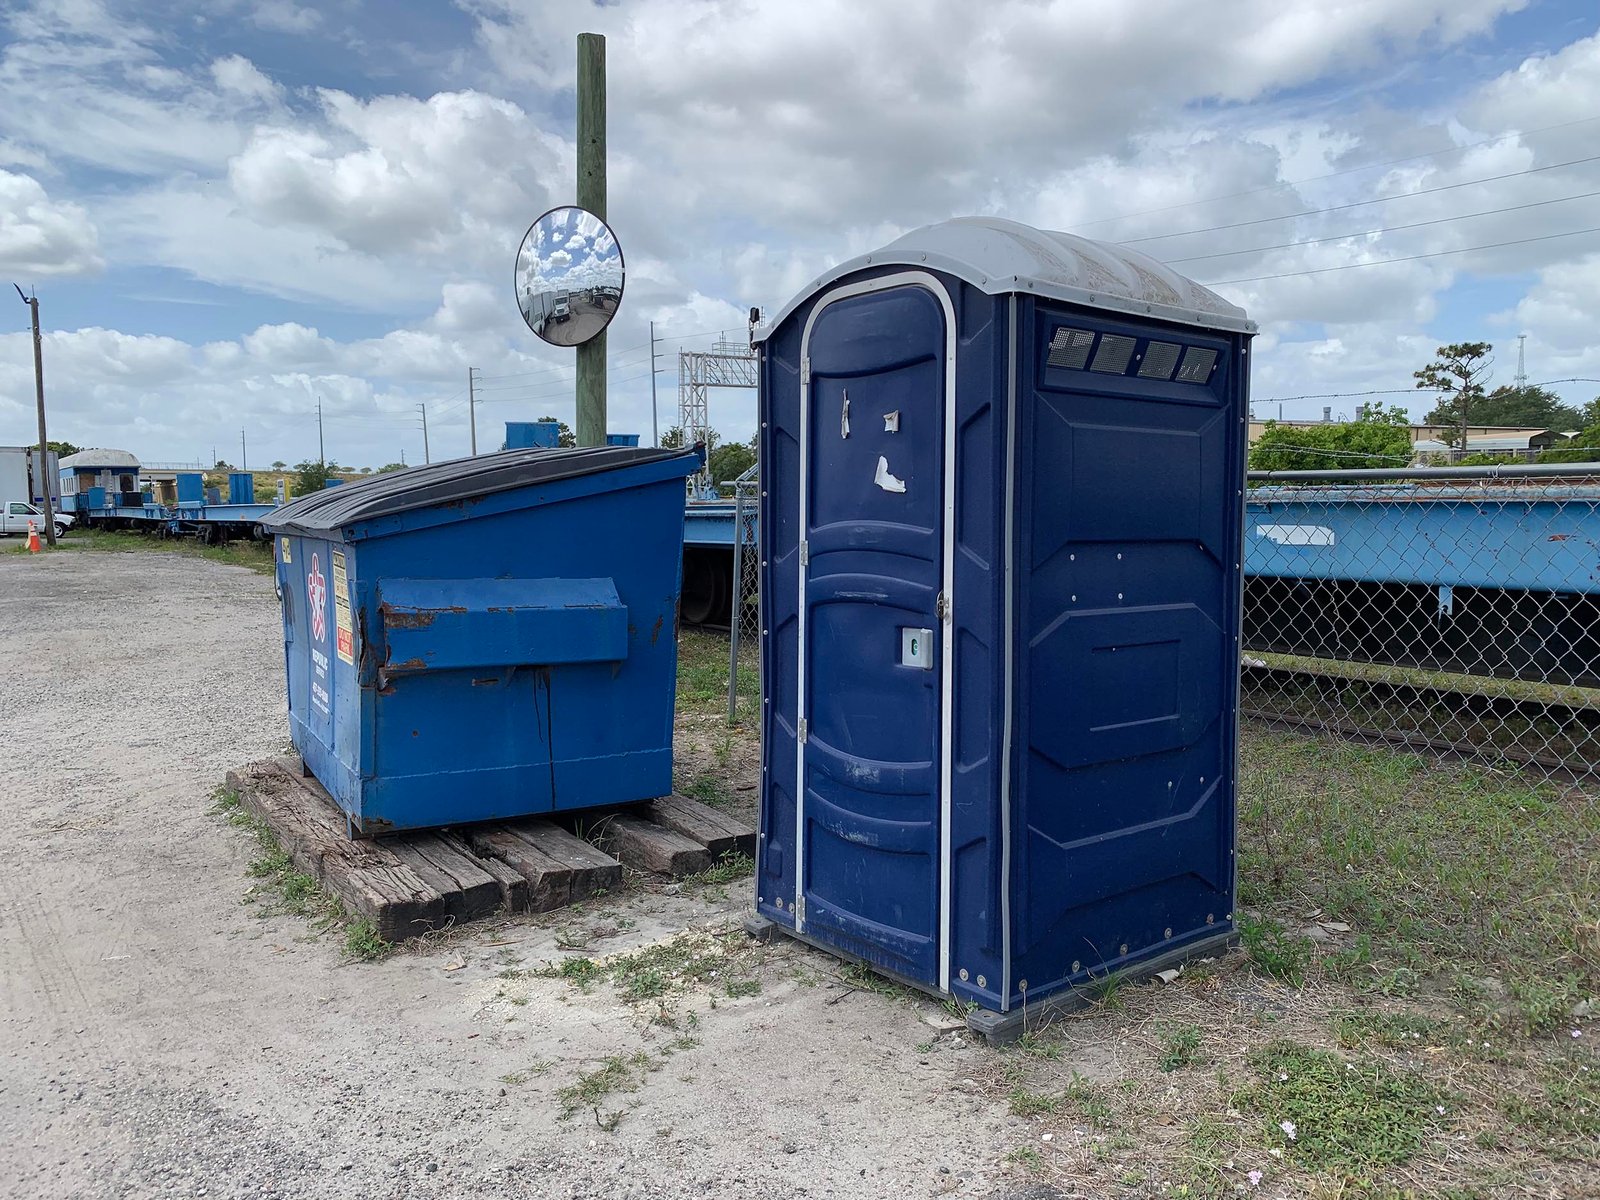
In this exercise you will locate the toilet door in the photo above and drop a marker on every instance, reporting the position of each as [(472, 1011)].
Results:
[(877, 381)]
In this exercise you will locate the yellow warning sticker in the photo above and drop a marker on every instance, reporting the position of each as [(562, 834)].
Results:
[(285, 543), (344, 635)]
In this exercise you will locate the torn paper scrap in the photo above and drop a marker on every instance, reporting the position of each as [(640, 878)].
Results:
[(885, 480), (891, 421)]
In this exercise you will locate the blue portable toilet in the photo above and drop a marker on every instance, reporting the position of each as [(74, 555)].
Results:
[(191, 487), (241, 487), (1002, 498), (486, 637), (529, 435), (622, 439)]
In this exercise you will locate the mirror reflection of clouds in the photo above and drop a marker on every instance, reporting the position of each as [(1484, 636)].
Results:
[(568, 249)]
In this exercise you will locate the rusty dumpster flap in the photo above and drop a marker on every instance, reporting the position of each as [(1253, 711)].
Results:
[(461, 624)]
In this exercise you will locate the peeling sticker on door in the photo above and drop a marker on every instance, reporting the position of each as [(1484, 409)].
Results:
[(844, 415), (344, 635), (885, 480), (891, 421)]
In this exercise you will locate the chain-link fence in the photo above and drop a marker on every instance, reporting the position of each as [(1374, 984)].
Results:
[(1452, 611), (744, 622)]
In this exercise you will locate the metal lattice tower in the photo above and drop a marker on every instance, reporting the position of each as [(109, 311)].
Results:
[(727, 364), (1522, 362)]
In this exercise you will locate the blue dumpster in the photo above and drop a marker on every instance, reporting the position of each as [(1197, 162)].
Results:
[(526, 435), (487, 637), (1003, 477)]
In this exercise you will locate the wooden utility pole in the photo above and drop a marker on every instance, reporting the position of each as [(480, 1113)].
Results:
[(655, 422), (591, 420), (426, 457), (44, 444), (472, 407)]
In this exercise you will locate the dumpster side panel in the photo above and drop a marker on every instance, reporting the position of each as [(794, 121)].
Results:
[(555, 721), (1129, 509), (315, 580)]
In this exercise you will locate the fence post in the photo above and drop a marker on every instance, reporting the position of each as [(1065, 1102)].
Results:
[(736, 613)]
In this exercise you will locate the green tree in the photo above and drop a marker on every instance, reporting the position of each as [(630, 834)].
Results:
[(279, 464), (63, 448), (1458, 372), (1380, 437), (312, 476), (1519, 408), (731, 460), (222, 465), (387, 467), (565, 437)]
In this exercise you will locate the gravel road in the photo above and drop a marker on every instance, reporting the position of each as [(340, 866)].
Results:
[(159, 1036)]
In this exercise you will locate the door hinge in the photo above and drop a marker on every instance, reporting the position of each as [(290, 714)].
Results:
[(804, 730), (805, 554), (805, 370), (800, 909), (941, 607)]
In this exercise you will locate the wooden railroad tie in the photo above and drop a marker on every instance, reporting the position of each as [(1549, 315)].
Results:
[(410, 883)]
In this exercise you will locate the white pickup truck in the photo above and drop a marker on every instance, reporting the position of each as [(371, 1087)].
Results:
[(15, 515)]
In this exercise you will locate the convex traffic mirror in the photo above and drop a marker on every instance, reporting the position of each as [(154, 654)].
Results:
[(569, 276)]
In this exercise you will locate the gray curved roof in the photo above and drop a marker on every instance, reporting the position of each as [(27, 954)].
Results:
[(116, 460), (1000, 256)]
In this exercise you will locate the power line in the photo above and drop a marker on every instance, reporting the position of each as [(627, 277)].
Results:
[(1317, 212), (1410, 391), (1339, 237), (1287, 183), (1379, 262)]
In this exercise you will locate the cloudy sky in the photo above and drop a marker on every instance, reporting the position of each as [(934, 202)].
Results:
[(232, 208)]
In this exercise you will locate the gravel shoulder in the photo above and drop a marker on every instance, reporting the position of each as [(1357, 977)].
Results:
[(163, 1035)]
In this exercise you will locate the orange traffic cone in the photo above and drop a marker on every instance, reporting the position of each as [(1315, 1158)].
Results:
[(33, 538)]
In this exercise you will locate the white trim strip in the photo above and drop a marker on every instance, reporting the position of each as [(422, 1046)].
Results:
[(947, 681), (1008, 672)]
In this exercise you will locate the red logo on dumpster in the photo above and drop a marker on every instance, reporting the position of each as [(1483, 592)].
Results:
[(317, 594)]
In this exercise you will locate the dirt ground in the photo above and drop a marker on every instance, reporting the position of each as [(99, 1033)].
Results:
[(163, 1031)]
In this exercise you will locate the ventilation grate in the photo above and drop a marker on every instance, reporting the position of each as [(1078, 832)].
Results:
[(1197, 364), (1070, 348), (1159, 359), (1113, 355)]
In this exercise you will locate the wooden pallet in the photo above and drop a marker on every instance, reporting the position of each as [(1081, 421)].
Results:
[(410, 883)]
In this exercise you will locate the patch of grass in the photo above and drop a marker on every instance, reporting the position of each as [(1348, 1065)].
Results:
[(362, 941), (1565, 1117), (252, 554), (1544, 1002), (618, 1073), (1035, 1045), (1275, 950), (1330, 1114), (864, 979), (1027, 1158), (581, 973), (1399, 1030), (708, 788), (1180, 1047), (1025, 1103), (729, 869), (1440, 865), (739, 988)]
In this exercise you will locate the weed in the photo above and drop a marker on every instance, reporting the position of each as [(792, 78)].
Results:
[(1180, 1045), (1275, 950), (729, 869), (581, 973), (362, 941), (1566, 1116), (1026, 1157), (1543, 1004), (864, 979), (618, 1073), (1032, 1104), (738, 988), (1035, 1045), (1326, 1112)]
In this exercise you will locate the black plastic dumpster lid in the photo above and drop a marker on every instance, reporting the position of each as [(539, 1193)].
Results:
[(456, 479)]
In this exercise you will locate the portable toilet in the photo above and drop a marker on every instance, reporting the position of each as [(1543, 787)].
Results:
[(529, 435), (1000, 521), (191, 487), (486, 637), (241, 487), (622, 439)]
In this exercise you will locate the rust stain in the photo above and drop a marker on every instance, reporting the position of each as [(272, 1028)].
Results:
[(484, 682), (397, 619), (1560, 537), (655, 630), (410, 664)]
